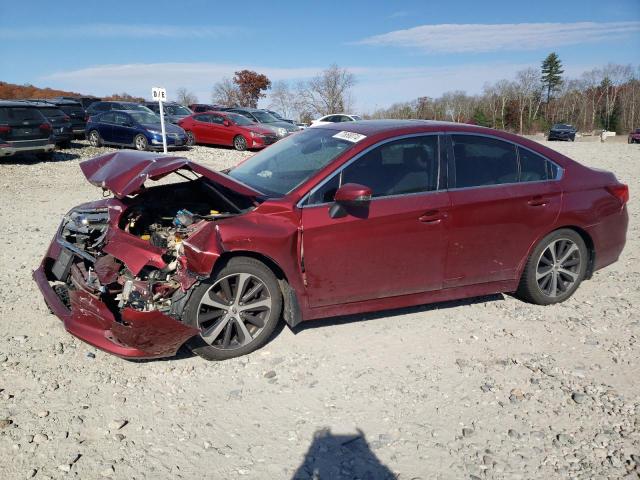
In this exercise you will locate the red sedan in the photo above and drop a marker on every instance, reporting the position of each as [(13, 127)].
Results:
[(223, 128), (338, 219)]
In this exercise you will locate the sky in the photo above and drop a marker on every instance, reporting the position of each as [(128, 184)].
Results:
[(397, 50)]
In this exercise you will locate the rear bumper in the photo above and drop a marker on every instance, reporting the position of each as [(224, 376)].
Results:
[(133, 334), (30, 146), (609, 238)]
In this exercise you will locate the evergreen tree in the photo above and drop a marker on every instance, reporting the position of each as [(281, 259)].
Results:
[(551, 73)]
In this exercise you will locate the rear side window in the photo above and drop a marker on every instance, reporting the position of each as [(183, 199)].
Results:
[(202, 118), (217, 119), (101, 107), (69, 109), (481, 161), (107, 117), (533, 167), (53, 112)]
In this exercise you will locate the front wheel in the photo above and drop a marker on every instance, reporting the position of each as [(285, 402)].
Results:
[(236, 310), (141, 143), (191, 140), (554, 269), (239, 143)]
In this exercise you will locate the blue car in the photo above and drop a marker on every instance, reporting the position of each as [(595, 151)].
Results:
[(132, 128)]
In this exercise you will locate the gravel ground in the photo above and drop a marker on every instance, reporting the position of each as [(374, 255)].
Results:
[(490, 388)]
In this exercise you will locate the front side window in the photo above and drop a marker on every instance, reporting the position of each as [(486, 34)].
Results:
[(283, 166), (121, 119), (239, 119), (483, 161), (400, 167), (217, 119), (202, 118), (145, 117)]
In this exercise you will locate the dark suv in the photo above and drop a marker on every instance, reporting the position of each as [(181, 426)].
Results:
[(561, 131), (84, 101), (99, 107), (74, 111), (207, 107), (24, 129), (62, 127), (173, 112)]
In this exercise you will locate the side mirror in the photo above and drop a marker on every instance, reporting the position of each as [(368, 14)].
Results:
[(352, 199), (353, 194), (226, 123)]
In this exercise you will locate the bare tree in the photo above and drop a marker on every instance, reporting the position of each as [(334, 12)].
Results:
[(283, 99), (329, 92), (185, 97), (226, 93)]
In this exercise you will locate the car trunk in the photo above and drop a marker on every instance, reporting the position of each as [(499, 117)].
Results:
[(23, 123)]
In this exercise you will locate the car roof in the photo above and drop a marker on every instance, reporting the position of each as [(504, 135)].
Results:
[(17, 103), (372, 127)]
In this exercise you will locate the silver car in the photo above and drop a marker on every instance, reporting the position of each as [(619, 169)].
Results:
[(265, 119)]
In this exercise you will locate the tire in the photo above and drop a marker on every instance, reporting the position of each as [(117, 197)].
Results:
[(573, 139), (539, 275), (239, 143), (94, 138), (191, 140), (141, 143), (224, 330)]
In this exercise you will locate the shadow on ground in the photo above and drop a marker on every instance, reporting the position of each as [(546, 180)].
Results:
[(341, 456)]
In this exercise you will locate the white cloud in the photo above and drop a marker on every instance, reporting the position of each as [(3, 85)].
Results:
[(375, 87), (115, 30), (460, 38)]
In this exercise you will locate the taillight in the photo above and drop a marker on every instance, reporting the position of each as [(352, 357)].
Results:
[(621, 192), (5, 129), (45, 126)]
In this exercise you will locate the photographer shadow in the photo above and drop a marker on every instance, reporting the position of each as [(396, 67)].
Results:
[(341, 456)]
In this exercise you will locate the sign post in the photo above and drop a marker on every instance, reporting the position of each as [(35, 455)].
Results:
[(160, 94)]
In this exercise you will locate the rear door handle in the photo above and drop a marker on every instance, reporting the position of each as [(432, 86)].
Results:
[(432, 216), (538, 201)]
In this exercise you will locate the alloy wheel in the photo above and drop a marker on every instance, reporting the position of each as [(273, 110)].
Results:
[(558, 267), (190, 138), (234, 311), (94, 139), (240, 143), (141, 143)]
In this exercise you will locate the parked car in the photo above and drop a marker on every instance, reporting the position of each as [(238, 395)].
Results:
[(561, 131), (99, 107), (280, 128), (280, 117), (173, 112), (206, 107), (24, 129), (62, 128), (133, 128), (339, 219), (84, 101), (336, 118), (226, 128), (73, 109), (634, 137)]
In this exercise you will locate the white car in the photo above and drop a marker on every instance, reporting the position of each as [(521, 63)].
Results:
[(335, 118)]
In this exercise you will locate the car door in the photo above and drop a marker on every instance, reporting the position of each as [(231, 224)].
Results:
[(105, 126), (395, 246), (500, 205), (222, 135), (124, 130), (201, 127)]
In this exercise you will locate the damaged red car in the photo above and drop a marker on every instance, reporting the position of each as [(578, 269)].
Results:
[(339, 219)]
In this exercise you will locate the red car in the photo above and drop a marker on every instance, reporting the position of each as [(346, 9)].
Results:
[(338, 219), (222, 128), (634, 137)]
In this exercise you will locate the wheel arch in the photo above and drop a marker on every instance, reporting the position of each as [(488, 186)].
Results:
[(291, 312)]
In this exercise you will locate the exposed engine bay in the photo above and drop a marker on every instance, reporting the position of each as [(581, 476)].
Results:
[(161, 219)]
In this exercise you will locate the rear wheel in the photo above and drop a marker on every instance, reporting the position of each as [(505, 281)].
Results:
[(94, 138), (236, 310), (141, 143), (239, 143), (554, 269)]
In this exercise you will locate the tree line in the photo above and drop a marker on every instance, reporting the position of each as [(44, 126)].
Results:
[(602, 98)]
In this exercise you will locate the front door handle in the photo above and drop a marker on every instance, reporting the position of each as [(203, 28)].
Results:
[(432, 217), (538, 201)]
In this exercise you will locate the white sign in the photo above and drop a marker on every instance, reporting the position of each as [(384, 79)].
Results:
[(349, 136), (158, 94)]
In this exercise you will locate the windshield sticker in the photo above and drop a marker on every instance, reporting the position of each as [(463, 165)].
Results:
[(265, 174), (349, 136)]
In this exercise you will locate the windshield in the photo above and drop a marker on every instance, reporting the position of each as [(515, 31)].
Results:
[(177, 110), (135, 106), (283, 166), (562, 126), (144, 117), (356, 117), (264, 117), (240, 120)]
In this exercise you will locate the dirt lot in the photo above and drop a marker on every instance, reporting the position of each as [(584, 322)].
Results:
[(489, 388)]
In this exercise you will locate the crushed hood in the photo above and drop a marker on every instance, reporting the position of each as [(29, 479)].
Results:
[(124, 173)]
